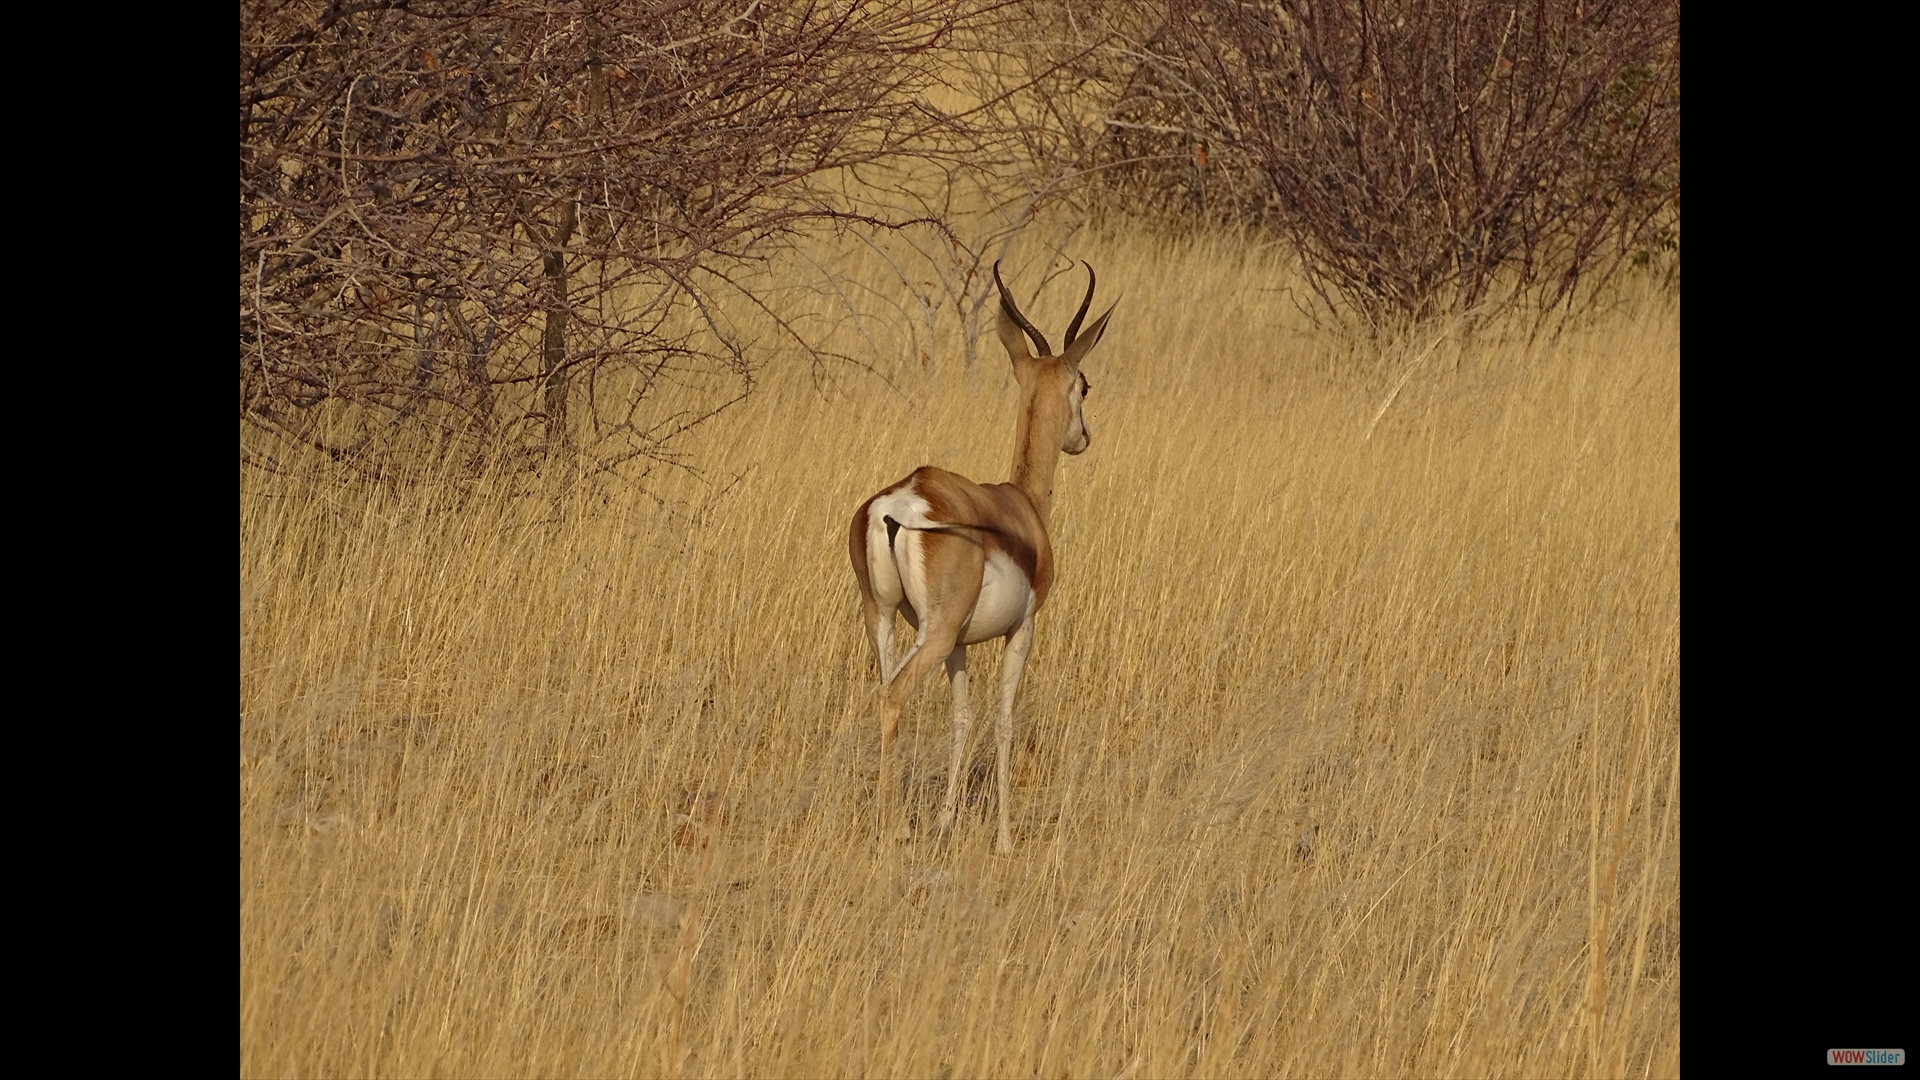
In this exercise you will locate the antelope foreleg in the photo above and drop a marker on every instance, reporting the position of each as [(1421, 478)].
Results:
[(962, 722), (1013, 662)]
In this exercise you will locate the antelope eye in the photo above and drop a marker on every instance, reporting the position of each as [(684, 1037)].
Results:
[(1086, 386)]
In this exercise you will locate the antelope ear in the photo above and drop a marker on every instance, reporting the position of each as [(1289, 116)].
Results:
[(1084, 344), (1012, 337), (1010, 312)]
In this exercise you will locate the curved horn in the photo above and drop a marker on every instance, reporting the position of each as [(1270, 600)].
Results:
[(1073, 328), (1013, 312)]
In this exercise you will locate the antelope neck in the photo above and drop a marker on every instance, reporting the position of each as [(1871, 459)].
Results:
[(1036, 451)]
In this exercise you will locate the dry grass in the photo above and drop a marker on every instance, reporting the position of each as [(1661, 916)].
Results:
[(1349, 744)]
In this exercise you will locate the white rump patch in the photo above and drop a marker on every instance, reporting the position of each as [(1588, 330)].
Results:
[(884, 565), (905, 506)]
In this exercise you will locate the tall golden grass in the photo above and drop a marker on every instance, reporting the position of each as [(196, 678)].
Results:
[(1348, 746)]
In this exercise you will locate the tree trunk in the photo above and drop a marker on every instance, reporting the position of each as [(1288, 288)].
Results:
[(553, 343)]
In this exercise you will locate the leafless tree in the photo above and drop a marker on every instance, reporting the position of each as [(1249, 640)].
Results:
[(504, 226), (1421, 155)]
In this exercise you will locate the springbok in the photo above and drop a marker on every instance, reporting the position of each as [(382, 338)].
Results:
[(965, 562)]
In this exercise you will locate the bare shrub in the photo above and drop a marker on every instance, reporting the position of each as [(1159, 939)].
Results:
[(467, 226), (1421, 155)]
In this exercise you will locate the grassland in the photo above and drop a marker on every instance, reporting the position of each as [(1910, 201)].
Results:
[(1348, 747)]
